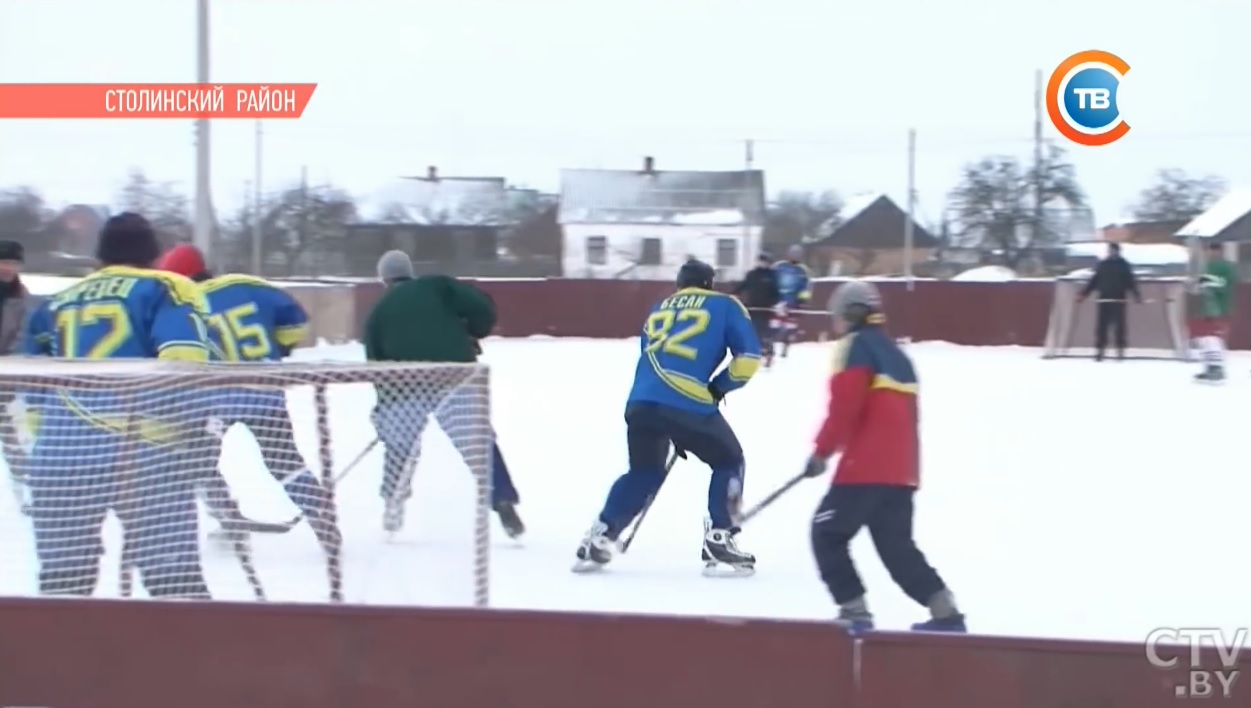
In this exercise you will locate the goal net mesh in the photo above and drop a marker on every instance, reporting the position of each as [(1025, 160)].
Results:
[(112, 466), (1155, 328)]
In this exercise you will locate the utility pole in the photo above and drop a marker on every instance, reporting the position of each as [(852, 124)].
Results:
[(257, 207), (912, 205), (202, 234)]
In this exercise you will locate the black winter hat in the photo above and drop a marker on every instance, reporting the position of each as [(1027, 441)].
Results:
[(128, 239), (12, 251)]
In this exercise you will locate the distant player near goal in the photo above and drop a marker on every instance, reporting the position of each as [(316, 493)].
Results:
[(1216, 300), (434, 318), (116, 450), (795, 284), (254, 320)]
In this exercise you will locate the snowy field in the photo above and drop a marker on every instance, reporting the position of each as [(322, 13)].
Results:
[(1060, 498)]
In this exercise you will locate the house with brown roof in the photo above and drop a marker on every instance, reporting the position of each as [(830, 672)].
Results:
[(1141, 231), (868, 238), (645, 223)]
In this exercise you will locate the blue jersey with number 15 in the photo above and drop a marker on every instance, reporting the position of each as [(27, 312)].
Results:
[(685, 339), (252, 319)]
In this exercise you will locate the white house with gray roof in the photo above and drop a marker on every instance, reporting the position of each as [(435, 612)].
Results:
[(644, 224)]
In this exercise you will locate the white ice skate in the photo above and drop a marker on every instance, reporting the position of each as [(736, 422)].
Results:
[(596, 550), (393, 517), (722, 557)]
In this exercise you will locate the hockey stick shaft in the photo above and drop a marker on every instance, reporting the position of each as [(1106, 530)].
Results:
[(638, 520), (771, 498)]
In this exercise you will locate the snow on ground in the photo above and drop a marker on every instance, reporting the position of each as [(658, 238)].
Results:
[(1049, 513)]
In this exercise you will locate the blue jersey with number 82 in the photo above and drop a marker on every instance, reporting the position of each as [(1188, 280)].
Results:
[(253, 320), (685, 339)]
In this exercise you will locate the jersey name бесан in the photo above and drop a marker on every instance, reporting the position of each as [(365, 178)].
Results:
[(685, 339)]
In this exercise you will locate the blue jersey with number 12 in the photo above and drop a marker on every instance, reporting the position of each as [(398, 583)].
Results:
[(685, 339), (252, 319), (120, 312)]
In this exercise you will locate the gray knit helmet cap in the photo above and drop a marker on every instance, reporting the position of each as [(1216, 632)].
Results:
[(854, 294), (394, 265)]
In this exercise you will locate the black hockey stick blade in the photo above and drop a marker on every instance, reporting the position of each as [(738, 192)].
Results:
[(255, 526), (638, 521), (773, 496)]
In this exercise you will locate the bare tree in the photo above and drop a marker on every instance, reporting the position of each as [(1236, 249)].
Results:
[(796, 216), (1176, 196), (1001, 205), (302, 219), (161, 202), (23, 215)]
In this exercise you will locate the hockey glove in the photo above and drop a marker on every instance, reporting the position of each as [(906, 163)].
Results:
[(815, 467), (716, 392)]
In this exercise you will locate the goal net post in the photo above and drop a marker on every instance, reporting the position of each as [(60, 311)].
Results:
[(1155, 328), (110, 462)]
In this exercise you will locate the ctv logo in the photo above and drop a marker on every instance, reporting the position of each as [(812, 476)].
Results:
[(1185, 646), (1081, 98)]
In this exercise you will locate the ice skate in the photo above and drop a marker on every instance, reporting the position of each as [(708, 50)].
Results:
[(855, 617), (595, 551), (510, 520), (722, 557), (951, 623), (393, 516), (1212, 373), (944, 616)]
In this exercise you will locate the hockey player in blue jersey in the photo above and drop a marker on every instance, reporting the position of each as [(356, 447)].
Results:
[(101, 450), (255, 321), (795, 284), (676, 391)]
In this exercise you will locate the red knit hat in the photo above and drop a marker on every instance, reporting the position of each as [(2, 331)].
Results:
[(183, 259)]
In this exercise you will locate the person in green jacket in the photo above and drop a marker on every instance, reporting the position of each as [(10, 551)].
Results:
[(433, 318), (1216, 303)]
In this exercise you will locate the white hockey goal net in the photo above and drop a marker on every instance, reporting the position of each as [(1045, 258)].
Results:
[(1155, 328), (111, 466)]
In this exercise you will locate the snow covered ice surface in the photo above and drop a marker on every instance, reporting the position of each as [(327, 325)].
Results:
[(1049, 511)]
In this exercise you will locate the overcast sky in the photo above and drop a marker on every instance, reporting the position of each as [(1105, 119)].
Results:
[(521, 88)]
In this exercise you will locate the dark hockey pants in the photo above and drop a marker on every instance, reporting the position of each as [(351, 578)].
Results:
[(887, 511), (650, 428), (1110, 318)]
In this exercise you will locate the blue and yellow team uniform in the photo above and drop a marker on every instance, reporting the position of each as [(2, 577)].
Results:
[(255, 321), (685, 339), (794, 283), (97, 450), (674, 401)]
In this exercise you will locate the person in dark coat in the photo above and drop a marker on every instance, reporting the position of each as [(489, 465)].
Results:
[(1113, 281), (15, 305), (760, 292), (434, 318)]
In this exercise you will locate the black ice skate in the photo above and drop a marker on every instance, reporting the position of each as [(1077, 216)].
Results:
[(595, 551), (1212, 373), (722, 557), (510, 520), (393, 516)]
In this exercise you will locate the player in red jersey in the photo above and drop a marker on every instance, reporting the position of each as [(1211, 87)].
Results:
[(872, 420)]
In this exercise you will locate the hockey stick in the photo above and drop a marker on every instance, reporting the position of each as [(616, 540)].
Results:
[(285, 526), (244, 555), (773, 496), (638, 520)]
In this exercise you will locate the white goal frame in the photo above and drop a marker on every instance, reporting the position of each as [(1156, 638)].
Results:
[(26, 374), (1156, 328)]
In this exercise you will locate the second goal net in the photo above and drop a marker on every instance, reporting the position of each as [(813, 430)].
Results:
[(1155, 328), (110, 463)]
